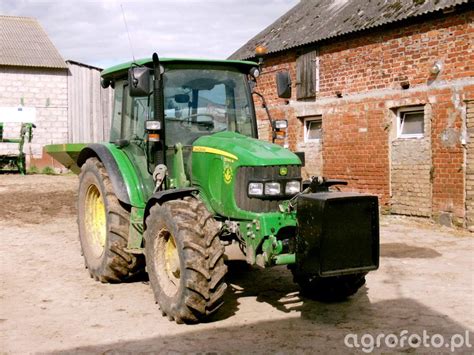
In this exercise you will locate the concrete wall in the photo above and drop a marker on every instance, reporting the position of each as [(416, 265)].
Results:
[(44, 89), (470, 165), (368, 70)]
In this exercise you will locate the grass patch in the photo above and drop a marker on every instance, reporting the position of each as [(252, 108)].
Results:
[(33, 170), (47, 170)]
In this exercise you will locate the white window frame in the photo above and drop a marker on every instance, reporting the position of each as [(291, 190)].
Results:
[(306, 131), (400, 113)]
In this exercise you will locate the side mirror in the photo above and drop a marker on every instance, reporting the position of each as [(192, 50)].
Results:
[(139, 81), (283, 81)]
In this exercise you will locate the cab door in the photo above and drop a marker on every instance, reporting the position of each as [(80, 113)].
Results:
[(128, 131)]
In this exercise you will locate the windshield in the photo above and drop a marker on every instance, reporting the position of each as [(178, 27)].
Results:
[(200, 102)]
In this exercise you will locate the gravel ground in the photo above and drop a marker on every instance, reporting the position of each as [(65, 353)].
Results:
[(48, 303)]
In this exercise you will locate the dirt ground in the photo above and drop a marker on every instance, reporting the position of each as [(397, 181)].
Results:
[(48, 303)]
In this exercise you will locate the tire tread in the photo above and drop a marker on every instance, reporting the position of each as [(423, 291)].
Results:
[(118, 265), (204, 260)]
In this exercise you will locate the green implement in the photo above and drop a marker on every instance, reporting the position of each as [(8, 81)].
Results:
[(12, 162)]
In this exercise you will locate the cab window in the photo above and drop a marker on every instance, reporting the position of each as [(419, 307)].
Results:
[(130, 114)]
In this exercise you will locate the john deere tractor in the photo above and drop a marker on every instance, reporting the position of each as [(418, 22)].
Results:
[(184, 175)]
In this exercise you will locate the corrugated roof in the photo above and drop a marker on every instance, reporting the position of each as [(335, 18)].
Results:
[(23, 42), (311, 21)]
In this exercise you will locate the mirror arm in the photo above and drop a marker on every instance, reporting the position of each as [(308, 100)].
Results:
[(157, 89), (158, 106)]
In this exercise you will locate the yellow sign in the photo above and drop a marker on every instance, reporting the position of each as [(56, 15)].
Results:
[(227, 174), (200, 149)]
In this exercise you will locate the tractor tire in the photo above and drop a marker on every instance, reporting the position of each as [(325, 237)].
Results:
[(185, 260), (328, 289), (103, 227)]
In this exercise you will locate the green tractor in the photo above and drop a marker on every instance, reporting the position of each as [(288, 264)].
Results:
[(184, 175)]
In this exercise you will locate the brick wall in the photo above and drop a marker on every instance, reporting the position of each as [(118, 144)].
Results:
[(358, 127), (41, 88), (382, 59)]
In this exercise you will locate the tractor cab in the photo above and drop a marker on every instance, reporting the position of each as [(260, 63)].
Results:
[(197, 98)]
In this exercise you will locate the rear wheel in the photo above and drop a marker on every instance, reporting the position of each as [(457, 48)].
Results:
[(184, 258), (328, 289), (103, 227)]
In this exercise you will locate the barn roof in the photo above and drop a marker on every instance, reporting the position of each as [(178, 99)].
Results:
[(311, 21), (25, 43)]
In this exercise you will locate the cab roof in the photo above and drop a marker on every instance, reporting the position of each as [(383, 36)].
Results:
[(120, 69)]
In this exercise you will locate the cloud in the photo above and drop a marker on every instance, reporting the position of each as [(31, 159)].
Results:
[(93, 32)]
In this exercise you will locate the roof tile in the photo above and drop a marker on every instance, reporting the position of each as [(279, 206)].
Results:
[(311, 21), (23, 42)]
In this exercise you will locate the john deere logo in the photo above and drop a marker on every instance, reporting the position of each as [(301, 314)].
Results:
[(228, 175), (283, 171)]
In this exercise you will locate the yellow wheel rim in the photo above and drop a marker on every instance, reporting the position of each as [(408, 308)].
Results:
[(172, 267), (95, 219)]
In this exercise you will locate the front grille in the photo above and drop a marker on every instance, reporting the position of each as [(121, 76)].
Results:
[(246, 174)]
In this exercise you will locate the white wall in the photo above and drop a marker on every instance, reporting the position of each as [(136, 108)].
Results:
[(44, 89)]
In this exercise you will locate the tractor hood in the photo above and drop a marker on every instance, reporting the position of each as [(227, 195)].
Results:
[(247, 151)]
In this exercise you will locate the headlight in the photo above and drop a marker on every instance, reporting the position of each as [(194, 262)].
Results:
[(255, 72), (280, 124), (272, 188), (152, 125), (255, 189), (292, 187)]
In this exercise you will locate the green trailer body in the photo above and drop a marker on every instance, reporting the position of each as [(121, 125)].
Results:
[(16, 162)]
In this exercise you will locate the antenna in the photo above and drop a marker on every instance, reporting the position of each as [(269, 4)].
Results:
[(128, 32)]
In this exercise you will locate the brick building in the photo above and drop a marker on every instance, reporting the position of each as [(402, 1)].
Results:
[(382, 97)]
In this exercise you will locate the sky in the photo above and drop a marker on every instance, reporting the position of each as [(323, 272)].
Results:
[(93, 32)]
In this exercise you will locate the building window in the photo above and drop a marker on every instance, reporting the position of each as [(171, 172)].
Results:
[(313, 129), (411, 122)]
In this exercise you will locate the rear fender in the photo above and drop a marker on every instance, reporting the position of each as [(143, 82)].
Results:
[(122, 174), (167, 195)]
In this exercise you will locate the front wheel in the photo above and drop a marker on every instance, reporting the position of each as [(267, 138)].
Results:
[(328, 289), (184, 259)]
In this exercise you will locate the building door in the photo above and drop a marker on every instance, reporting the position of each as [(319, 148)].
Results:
[(410, 173), (312, 145)]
